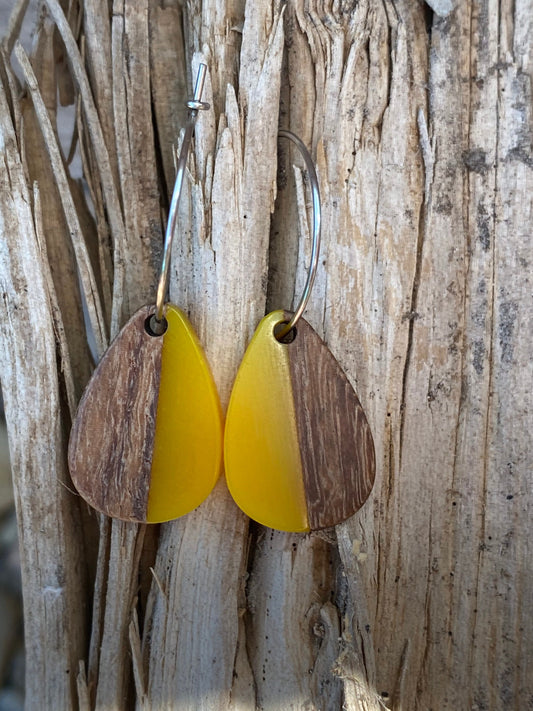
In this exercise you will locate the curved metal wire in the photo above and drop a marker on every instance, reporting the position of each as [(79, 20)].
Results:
[(157, 321), (315, 246)]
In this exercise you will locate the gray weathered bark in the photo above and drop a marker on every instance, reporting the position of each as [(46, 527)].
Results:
[(420, 125)]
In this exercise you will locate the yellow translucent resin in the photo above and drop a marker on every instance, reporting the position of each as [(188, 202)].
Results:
[(187, 450), (261, 449)]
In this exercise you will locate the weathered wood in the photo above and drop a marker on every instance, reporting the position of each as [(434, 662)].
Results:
[(55, 232), (97, 33), (84, 266), (169, 82), (53, 574), (102, 163), (134, 137), (223, 247), (299, 666), (477, 328), (420, 125)]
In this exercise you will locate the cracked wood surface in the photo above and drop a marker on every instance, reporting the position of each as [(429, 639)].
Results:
[(420, 124)]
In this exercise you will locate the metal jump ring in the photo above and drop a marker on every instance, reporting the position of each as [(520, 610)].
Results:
[(315, 246), (157, 322)]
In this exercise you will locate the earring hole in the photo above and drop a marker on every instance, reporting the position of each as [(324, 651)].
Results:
[(288, 337), (155, 328)]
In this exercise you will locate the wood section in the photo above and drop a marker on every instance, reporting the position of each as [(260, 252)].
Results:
[(135, 140), (426, 256), (221, 259), (307, 606), (50, 535), (85, 270), (110, 448), (56, 220), (168, 81), (336, 445)]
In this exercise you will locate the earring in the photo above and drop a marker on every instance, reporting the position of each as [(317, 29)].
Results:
[(298, 450), (146, 442)]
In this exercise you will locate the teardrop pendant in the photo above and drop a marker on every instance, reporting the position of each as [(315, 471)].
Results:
[(146, 444), (299, 453)]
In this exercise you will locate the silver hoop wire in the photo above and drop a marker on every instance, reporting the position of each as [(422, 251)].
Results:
[(315, 246), (157, 322)]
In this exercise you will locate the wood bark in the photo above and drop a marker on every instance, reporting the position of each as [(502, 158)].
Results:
[(419, 119)]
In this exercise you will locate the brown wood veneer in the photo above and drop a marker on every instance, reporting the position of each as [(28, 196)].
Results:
[(112, 437), (336, 445)]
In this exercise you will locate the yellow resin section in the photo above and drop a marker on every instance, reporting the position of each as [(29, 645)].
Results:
[(261, 449), (187, 450)]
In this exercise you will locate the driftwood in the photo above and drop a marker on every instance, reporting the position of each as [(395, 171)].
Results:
[(419, 119)]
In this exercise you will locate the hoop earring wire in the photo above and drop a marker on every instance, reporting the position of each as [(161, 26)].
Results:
[(157, 321), (315, 246)]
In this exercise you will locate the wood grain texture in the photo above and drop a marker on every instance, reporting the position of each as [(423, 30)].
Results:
[(336, 445), (53, 571), (355, 79), (85, 270), (300, 665), (420, 126), (168, 82), (118, 412), (56, 226), (220, 264), (97, 32)]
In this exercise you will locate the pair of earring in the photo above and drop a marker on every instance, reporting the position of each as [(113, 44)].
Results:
[(147, 441)]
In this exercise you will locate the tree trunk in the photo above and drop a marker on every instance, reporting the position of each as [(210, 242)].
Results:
[(419, 119)]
